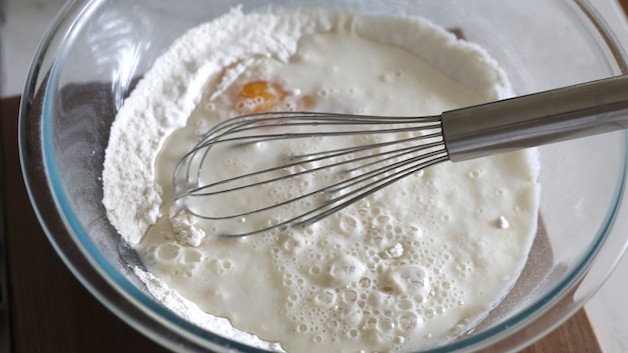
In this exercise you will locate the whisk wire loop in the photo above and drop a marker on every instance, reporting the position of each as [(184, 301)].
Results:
[(390, 149)]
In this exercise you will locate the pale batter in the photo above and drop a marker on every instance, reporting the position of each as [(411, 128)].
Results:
[(407, 268)]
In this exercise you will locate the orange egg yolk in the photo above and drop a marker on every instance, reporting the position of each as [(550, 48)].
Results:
[(259, 97)]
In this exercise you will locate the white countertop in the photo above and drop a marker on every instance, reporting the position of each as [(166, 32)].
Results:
[(27, 20)]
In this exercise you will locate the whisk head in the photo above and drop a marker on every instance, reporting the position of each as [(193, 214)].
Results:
[(274, 170)]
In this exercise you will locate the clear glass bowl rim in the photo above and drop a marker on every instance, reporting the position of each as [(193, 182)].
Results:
[(115, 291)]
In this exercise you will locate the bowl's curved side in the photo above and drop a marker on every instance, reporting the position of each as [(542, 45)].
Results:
[(106, 282)]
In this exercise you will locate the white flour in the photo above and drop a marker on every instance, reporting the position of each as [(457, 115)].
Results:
[(164, 99)]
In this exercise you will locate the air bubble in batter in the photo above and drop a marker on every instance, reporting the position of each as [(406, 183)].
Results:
[(408, 322), (325, 299), (168, 252)]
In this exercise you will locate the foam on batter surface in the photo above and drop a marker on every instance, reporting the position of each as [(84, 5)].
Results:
[(407, 268)]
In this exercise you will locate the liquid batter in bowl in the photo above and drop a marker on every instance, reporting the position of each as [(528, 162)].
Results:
[(410, 267)]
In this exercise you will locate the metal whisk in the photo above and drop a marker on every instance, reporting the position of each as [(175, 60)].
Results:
[(372, 152)]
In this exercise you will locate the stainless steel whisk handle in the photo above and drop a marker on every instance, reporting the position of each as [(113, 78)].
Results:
[(537, 119)]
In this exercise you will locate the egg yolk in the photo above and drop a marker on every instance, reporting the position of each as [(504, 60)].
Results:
[(259, 97)]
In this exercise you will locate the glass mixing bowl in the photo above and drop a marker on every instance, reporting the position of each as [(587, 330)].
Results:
[(96, 50)]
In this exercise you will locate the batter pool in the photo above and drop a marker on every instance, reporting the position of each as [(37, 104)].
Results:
[(407, 268)]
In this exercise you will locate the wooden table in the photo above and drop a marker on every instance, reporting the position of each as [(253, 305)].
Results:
[(624, 4), (50, 311)]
